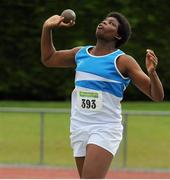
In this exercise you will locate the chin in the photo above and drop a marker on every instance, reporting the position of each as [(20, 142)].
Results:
[(100, 35)]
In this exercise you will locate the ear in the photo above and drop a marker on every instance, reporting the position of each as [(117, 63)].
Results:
[(118, 37)]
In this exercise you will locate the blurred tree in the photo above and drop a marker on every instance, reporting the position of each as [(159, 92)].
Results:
[(22, 74)]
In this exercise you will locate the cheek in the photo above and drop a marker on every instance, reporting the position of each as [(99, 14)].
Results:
[(111, 33), (114, 30)]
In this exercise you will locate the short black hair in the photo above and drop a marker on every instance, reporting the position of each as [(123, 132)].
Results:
[(124, 29)]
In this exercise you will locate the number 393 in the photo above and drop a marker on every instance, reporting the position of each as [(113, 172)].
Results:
[(88, 103)]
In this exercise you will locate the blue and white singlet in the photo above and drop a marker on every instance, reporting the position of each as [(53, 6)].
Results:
[(99, 88)]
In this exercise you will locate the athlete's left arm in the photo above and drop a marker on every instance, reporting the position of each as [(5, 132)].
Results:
[(149, 84)]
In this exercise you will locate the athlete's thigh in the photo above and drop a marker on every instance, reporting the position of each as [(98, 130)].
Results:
[(79, 164), (96, 163)]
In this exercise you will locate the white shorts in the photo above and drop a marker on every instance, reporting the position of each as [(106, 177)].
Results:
[(107, 138)]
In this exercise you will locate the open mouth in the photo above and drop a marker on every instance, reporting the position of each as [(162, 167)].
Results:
[(100, 26)]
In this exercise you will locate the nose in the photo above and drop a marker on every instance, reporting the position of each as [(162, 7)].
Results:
[(104, 22)]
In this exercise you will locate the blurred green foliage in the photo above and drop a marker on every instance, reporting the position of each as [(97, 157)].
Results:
[(22, 74)]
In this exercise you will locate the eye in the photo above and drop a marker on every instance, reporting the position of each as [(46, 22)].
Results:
[(112, 23)]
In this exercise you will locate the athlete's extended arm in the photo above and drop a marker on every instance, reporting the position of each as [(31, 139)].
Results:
[(50, 57), (149, 84)]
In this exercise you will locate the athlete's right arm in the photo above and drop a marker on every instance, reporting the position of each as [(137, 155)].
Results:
[(49, 56)]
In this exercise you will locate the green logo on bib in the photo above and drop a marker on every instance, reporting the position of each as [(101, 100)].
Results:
[(88, 94)]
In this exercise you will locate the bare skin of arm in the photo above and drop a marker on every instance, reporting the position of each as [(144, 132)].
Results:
[(149, 84), (50, 57)]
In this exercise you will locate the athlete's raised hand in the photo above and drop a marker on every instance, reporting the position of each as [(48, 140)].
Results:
[(151, 61), (57, 21)]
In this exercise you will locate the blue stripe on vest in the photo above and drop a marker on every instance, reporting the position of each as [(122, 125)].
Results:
[(109, 87)]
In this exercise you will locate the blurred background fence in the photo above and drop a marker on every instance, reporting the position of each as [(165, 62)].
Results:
[(34, 136)]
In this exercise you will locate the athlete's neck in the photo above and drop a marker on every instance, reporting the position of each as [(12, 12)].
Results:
[(103, 48)]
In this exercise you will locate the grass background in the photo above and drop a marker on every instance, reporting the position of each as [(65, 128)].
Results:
[(148, 136)]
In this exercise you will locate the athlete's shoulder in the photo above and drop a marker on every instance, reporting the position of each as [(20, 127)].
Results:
[(128, 63), (76, 49), (82, 49), (127, 58)]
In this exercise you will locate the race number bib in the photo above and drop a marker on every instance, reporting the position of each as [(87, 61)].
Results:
[(89, 100)]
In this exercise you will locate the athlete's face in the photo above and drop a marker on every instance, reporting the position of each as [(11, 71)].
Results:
[(107, 29)]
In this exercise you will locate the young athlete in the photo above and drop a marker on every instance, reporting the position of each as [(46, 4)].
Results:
[(103, 72)]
